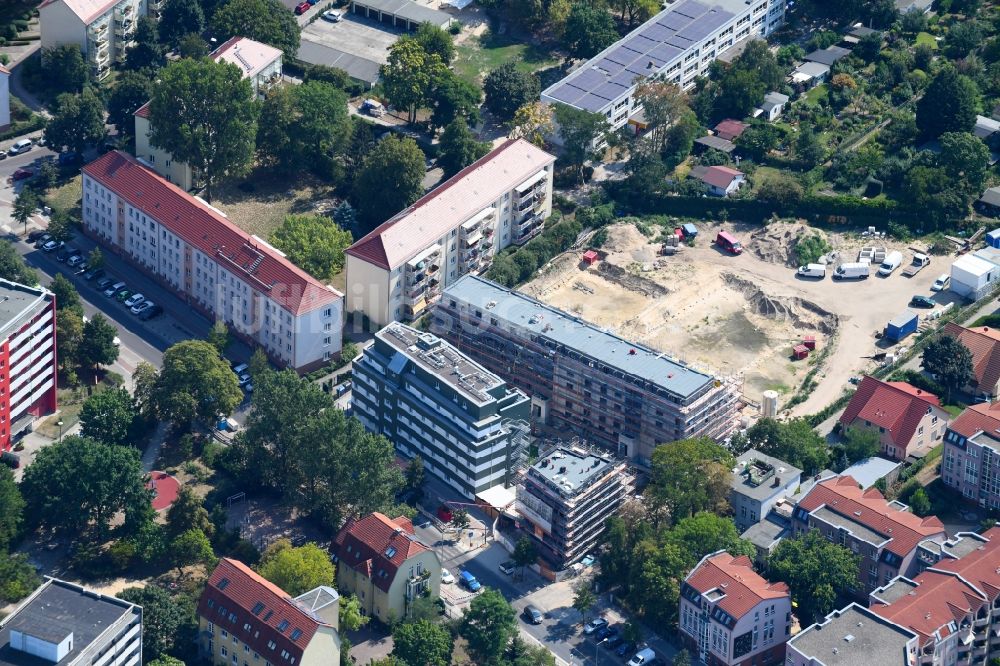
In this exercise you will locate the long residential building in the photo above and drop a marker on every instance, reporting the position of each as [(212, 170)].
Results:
[(853, 636), (103, 29), (399, 269), (469, 427), (582, 379), (28, 364), (257, 62), (565, 500), (219, 269), (731, 616), (677, 45), (66, 624), (971, 461), (884, 534)]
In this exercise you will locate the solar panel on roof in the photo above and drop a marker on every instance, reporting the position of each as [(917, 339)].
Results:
[(665, 52), (609, 67), (623, 78), (706, 25), (588, 79), (567, 93), (692, 8), (679, 42), (622, 56), (673, 21), (610, 91), (656, 32), (592, 103), (640, 44)]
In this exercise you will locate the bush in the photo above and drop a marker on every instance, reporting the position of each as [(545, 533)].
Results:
[(918, 379), (810, 248), (210, 454)]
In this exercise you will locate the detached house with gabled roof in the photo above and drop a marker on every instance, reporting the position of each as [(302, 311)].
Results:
[(983, 343), (731, 616), (381, 562), (721, 181), (909, 421), (246, 620), (885, 534)]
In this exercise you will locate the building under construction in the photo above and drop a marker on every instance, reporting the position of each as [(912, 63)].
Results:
[(469, 427), (584, 380)]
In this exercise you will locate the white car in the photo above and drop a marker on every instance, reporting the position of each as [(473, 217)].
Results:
[(244, 380), (941, 282), (446, 577), (139, 308), (134, 300), (332, 15)]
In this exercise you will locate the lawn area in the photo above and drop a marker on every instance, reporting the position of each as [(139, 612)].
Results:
[(478, 55), (763, 173), (70, 404), (813, 96), (954, 410), (926, 38), (66, 196), (259, 204)]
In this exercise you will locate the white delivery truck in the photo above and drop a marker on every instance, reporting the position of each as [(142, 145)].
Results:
[(852, 271), (812, 271), (890, 263)]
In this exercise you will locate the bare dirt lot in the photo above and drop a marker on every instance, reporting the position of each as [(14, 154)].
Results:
[(737, 316)]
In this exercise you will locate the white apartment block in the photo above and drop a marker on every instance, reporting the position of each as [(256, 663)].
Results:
[(103, 29), (399, 269), (677, 45), (259, 63), (219, 269)]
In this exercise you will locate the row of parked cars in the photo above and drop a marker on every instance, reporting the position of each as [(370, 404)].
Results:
[(611, 636), (242, 371)]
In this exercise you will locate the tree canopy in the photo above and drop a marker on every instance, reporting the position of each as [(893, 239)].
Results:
[(64, 68), (180, 18), (12, 505), (589, 30), (949, 361), (408, 75), (296, 570), (162, 618), (817, 572), (508, 89), (422, 642), (793, 441), (688, 476), (97, 345), (459, 148), (390, 179), (195, 383), (305, 127), (949, 104), (78, 121), (488, 626), (110, 417), (13, 268), (131, 90), (267, 21), (314, 243)]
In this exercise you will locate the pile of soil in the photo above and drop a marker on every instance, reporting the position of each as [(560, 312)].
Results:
[(802, 313), (775, 243), (630, 281), (626, 239)]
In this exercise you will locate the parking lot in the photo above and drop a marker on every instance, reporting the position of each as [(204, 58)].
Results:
[(354, 35)]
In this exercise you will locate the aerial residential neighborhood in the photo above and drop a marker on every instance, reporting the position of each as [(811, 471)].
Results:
[(499, 333)]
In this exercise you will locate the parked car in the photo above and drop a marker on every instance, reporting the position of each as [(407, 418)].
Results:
[(75, 260), (446, 577), (93, 273), (469, 581), (3, 155), (507, 567), (244, 379), (643, 657), (240, 368), (42, 240), (134, 300), (114, 289), (22, 146), (594, 625), (123, 295), (625, 648), (607, 633), (533, 615), (302, 8), (332, 15), (35, 235), (141, 307), (150, 312), (66, 253), (921, 302), (22, 173), (812, 271), (941, 283), (81, 268), (10, 459), (104, 282), (52, 246), (614, 642)]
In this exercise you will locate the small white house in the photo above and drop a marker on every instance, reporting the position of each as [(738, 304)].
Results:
[(773, 106), (973, 277), (722, 181), (4, 97)]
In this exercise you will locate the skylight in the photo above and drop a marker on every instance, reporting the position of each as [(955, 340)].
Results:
[(283, 625), (258, 608), (390, 551), (223, 583)]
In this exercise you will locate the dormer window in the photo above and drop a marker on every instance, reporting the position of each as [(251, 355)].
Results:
[(390, 551)]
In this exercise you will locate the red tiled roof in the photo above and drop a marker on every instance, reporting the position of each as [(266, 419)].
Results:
[(896, 406), (984, 344), (142, 111), (730, 129), (938, 599), (904, 530), (981, 567), (258, 264), (743, 587), (244, 592), (983, 417), (719, 176), (365, 544), (85, 10)]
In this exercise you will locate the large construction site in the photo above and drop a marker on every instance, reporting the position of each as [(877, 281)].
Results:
[(738, 316)]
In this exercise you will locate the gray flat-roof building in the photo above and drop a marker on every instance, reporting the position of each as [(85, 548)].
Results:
[(676, 45), (584, 380), (62, 623), (853, 636), (404, 14), (758, 482), (466, 423), (565, 499)]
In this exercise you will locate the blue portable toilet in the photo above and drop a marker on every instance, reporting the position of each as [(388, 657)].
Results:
[(993, 238), (691, 231)]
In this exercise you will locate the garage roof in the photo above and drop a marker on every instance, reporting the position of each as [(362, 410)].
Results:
[(405, 9)]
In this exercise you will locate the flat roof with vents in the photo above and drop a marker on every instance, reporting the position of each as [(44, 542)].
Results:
[(571, 469), (854, 636)]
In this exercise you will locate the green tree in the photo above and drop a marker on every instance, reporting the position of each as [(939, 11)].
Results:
[(144, 379), (808, 148), (131, 90), (147, 52), (682, 658), (314, 243), (860, 444), (793, 441), (162, 619), (688, 476), (920, 503), (179, 18), (634, 12), (25, 204), (579, 130), (435, 40), (305, 127), (962, 39), (267, 21), (816, 570), (332, 75), (296, 570), (192, 46), (422, 642), (589, 30), (351, 617), (98, 344), (195, 383), (97, 480), (64, 68), (459, 148), (949, 104), (654, 580), (519, 653), (203, 113), (218, 336), (950, 362), (758, 140), (66, 295), (965, 158), (191, 547), (408, 75), (13, 268), (525, 553), (781, 191), (705, 533), (487, 626), (583, 598), (77, 122), (187, 512), (60, 226), (414, 473), (390, 179), (69, 335), (663, 105), (453, 97), (508, 89), (18, 578), (740, 91), (13, 509), (110, 417), (460, 520)]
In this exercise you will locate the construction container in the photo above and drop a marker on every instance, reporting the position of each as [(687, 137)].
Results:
[(800, 352), (809, 342), (589, 257), (690, 231), (993, 238), (769, 404), (901, 326)]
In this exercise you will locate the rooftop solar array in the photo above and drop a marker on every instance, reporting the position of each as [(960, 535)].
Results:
[(643, 52)]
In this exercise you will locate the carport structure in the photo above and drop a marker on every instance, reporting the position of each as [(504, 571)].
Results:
[(403, 14)]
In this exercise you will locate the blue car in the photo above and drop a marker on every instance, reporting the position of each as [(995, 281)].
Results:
[(469, 581)]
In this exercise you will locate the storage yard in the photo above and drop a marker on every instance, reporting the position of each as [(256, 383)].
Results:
[(740, 314)]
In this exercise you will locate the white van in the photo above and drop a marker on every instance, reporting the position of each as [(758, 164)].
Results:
[(813, 271), (643, 656), (22, 146), (890, 263), (941, 283), (852, 271)]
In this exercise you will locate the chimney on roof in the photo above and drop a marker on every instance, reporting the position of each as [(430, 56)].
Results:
[(562, 470), (777, 482)]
